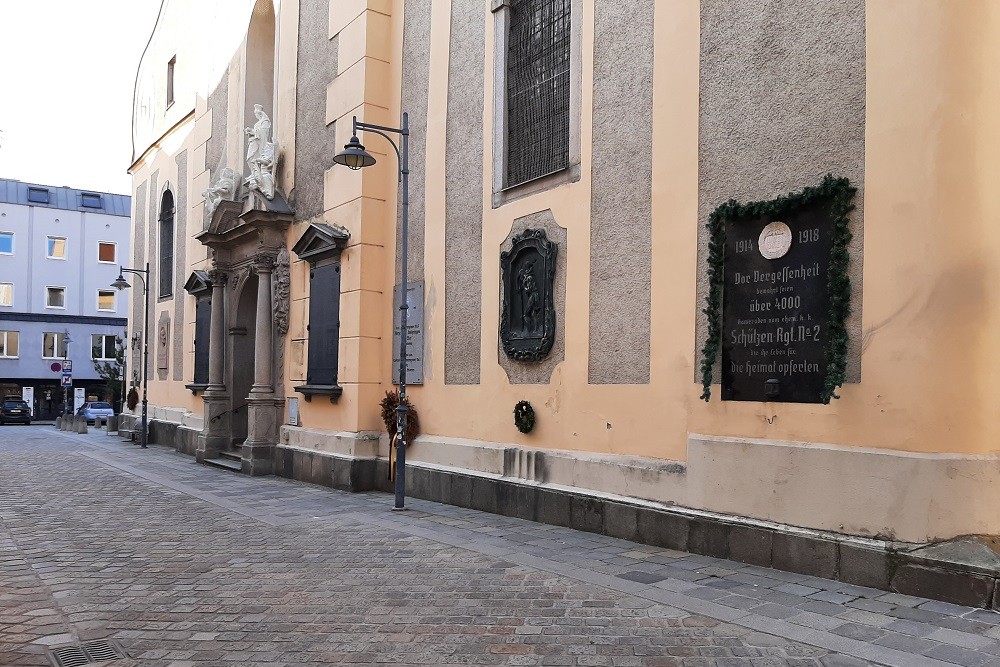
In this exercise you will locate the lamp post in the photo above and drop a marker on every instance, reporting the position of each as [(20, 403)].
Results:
[(356, 157), (119, 284), (68, 390)]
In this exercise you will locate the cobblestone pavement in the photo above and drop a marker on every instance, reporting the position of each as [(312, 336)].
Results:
[(185, 565)]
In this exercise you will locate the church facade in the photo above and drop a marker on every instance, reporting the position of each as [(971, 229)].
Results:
[(731, 262)]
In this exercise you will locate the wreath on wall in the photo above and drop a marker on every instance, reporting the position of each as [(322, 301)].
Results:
[(524, 417), (840, 193)]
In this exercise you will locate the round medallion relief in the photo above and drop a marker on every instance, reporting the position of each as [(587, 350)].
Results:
[(775, 240)]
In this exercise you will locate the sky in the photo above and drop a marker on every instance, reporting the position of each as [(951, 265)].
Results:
[(66, 98)]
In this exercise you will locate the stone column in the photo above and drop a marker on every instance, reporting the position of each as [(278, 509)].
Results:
[(264, 265), (262, 407), (216, 433), (217, 335)]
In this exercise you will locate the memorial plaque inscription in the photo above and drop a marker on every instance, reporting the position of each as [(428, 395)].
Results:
[(775, 305)]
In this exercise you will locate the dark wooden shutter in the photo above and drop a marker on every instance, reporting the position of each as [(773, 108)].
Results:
[(324, 324), (202, 334)]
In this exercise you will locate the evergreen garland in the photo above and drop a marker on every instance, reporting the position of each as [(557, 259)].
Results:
[(840, 193), (524, 417)]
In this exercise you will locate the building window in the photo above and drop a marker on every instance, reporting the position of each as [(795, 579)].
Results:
[(8, 344), (55, 247), (53, 345), (538, 89), (90, 200), (107, 252), (38, 195), (103, 347), (6, 243), (106, 300), (55, 297), (170, 80), (6, 294), (167, 244)]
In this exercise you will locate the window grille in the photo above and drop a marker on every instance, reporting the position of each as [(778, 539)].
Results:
[(167, 244), (538, 54)]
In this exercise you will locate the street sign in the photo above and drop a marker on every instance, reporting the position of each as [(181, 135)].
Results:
[(67, 380), (67, 366)]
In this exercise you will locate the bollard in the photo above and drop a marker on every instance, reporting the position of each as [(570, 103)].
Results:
[(66, 421), (81, 426), (98, 423), (59, 422), (112, 424)]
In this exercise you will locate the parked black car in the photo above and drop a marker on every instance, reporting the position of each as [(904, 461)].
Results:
[(15, 412)]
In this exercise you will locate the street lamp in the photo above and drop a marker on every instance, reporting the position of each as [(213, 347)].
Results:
[(68, 389), (120, 284), (356, 157)]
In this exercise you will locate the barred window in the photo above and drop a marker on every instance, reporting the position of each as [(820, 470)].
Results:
[(538, 95), (167, 244)]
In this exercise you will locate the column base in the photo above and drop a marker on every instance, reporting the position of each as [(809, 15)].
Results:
[(217, 432), (264, 413)]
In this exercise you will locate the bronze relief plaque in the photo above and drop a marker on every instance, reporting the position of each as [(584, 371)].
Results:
[(528, 314)]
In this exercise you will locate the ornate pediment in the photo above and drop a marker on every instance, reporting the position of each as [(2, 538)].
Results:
[(198, 283), (320, 241), (233, 220)]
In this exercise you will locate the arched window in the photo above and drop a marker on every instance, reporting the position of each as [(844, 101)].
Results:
[(167, 244)]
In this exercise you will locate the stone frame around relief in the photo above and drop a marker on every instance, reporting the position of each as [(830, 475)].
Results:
[(527, 281)]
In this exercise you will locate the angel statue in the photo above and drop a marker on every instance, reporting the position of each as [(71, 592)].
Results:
[(224, 188), (262, 154)]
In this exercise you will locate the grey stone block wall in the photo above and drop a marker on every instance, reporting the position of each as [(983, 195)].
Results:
[(621, 193), (464, 194), (782, 104), (218, 102), (180, 262), (416, 75), (138, 259), (315, 144)]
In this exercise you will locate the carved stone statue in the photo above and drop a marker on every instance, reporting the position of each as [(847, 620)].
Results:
[(262, 153), (224, 188), (281, 282)]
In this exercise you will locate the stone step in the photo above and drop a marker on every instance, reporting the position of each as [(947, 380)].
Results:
[(232, 456), (228, 464)]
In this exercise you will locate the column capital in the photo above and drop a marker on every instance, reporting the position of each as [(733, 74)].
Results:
[(263, 262), (218, 277)]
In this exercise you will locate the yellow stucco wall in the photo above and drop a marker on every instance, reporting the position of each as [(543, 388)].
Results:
[(931, 286)]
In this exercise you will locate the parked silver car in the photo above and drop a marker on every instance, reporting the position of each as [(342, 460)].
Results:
[(94, 410)]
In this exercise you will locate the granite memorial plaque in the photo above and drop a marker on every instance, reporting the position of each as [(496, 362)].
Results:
[(414, 333), (775, 306)]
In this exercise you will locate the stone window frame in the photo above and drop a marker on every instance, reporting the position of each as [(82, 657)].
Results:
[(199, 285), (321, 246), (502, 194)]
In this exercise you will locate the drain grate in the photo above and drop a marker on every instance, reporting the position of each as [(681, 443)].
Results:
[(87, 653)]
